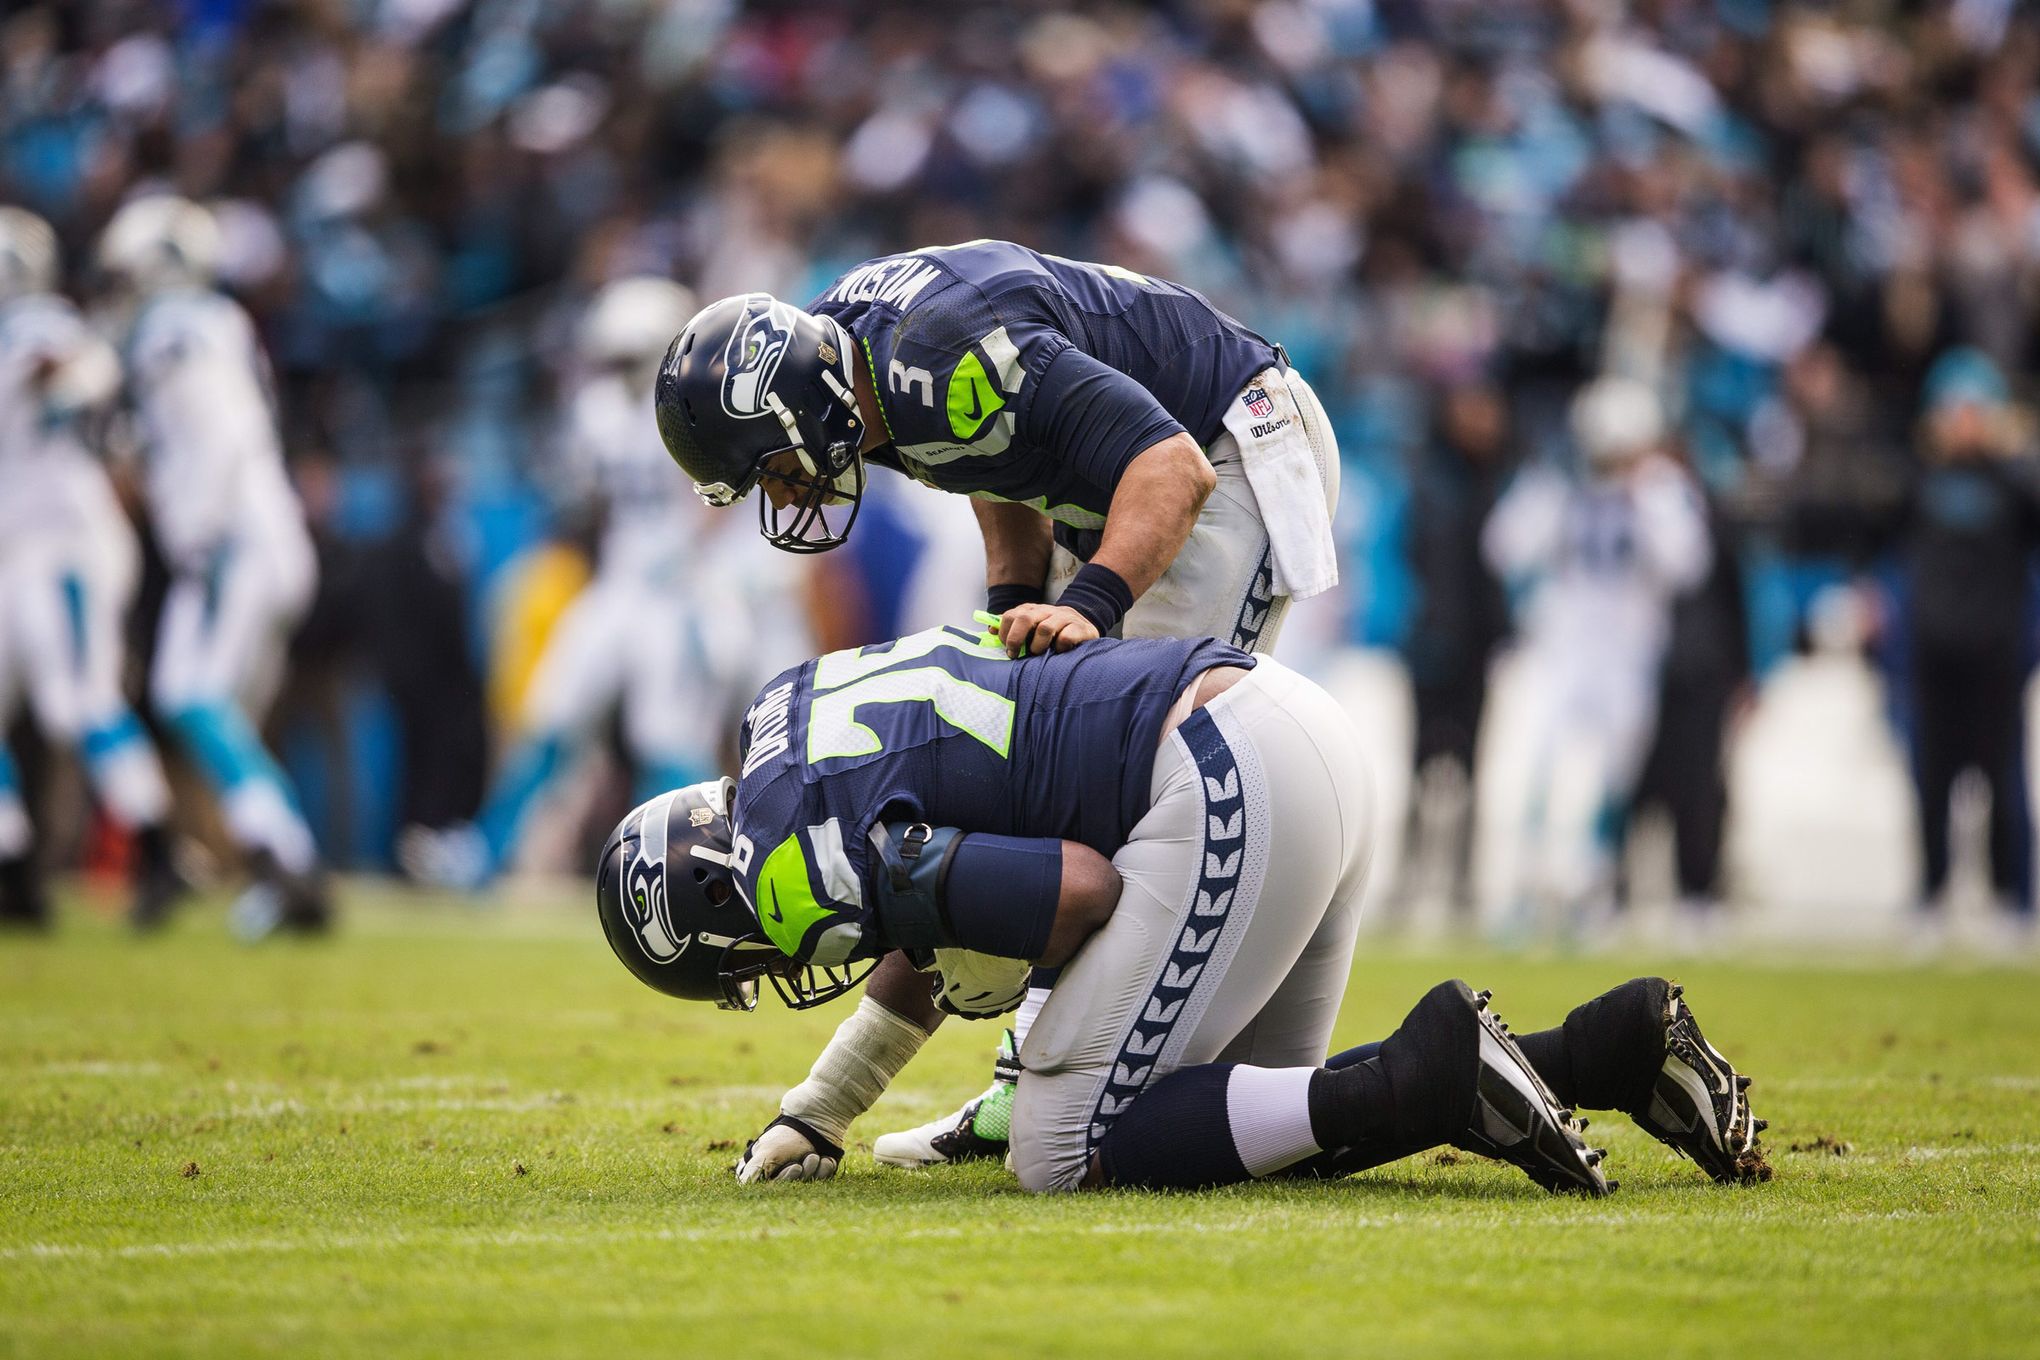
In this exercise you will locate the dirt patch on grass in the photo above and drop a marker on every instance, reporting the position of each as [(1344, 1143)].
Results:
[(1826, 1142)]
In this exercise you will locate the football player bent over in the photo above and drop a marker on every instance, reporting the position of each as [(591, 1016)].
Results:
[(1177, 827), (1141, 464)]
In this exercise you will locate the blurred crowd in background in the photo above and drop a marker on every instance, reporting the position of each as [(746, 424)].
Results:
[(1810, 230)]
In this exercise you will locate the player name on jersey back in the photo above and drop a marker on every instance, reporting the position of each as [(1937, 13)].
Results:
[(770, 726), (893, 283)]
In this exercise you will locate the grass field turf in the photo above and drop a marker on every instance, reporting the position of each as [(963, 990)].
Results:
[(451, 1133)]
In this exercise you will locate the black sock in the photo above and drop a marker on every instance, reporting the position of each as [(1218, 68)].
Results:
[(1416, 1091), (1352, 1105), (1607, 1054), (1338, 1103), (1348, 1161), (152, 848), (22, 895), (1546, 1051), (1359, 1053)]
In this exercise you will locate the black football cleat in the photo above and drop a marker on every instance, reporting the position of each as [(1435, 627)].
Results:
[(307, 904), (158, 886), (278, 902), (1516, 1118), (1700, 1105), (24, 897)]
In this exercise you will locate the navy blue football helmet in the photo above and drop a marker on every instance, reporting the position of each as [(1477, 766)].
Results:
[(752, 378), (666, 892)]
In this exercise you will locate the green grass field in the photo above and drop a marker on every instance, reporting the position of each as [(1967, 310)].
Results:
[(450, 1133)]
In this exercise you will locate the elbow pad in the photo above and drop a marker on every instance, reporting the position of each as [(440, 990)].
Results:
[(1006, 894), (912, 863)]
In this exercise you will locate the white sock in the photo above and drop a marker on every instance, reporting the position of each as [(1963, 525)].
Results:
[(1268, 1109), (129, 780), (1030, 1006), (261, 817)]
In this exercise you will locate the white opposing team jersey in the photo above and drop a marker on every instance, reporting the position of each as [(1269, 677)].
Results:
[(214, 464), (52, 488), (651, 516), (1609, 558)]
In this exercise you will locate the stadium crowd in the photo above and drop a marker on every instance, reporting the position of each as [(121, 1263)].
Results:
[(1810, 232)]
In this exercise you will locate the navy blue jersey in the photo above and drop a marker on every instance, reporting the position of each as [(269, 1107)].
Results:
[(941, 727), (1012, 375)]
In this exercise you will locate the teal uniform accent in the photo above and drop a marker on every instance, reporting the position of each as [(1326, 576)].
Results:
[(660, 776), (223, 743), (73, 587), (529, 769), (111, 738)]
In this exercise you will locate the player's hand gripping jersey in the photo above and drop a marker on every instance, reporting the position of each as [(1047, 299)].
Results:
[(942, 728), (1018, 376)]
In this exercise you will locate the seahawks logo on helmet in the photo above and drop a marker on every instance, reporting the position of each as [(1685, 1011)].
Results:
[(751, 359), (644, 890)]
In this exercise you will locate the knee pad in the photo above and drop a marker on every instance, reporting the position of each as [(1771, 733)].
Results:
[(1038, 1178), (1032, 1158), (1045, 1159)]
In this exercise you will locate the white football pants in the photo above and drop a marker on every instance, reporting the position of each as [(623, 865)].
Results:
[(1221, 584), (62, 606), (1234, 931)]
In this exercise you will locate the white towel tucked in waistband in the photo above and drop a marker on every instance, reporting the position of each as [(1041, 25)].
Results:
[(1288, 475)]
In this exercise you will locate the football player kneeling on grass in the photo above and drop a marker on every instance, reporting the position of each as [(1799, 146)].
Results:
[(1141, 465), (1179, 829)]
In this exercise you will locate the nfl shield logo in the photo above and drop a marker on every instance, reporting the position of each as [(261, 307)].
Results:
[(1258, 402)]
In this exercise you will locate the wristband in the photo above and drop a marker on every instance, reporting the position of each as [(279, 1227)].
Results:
[(1100, 594), (1010, 594)]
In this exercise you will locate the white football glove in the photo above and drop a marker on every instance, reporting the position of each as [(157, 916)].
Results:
[(788, 1150), (979, 986)]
